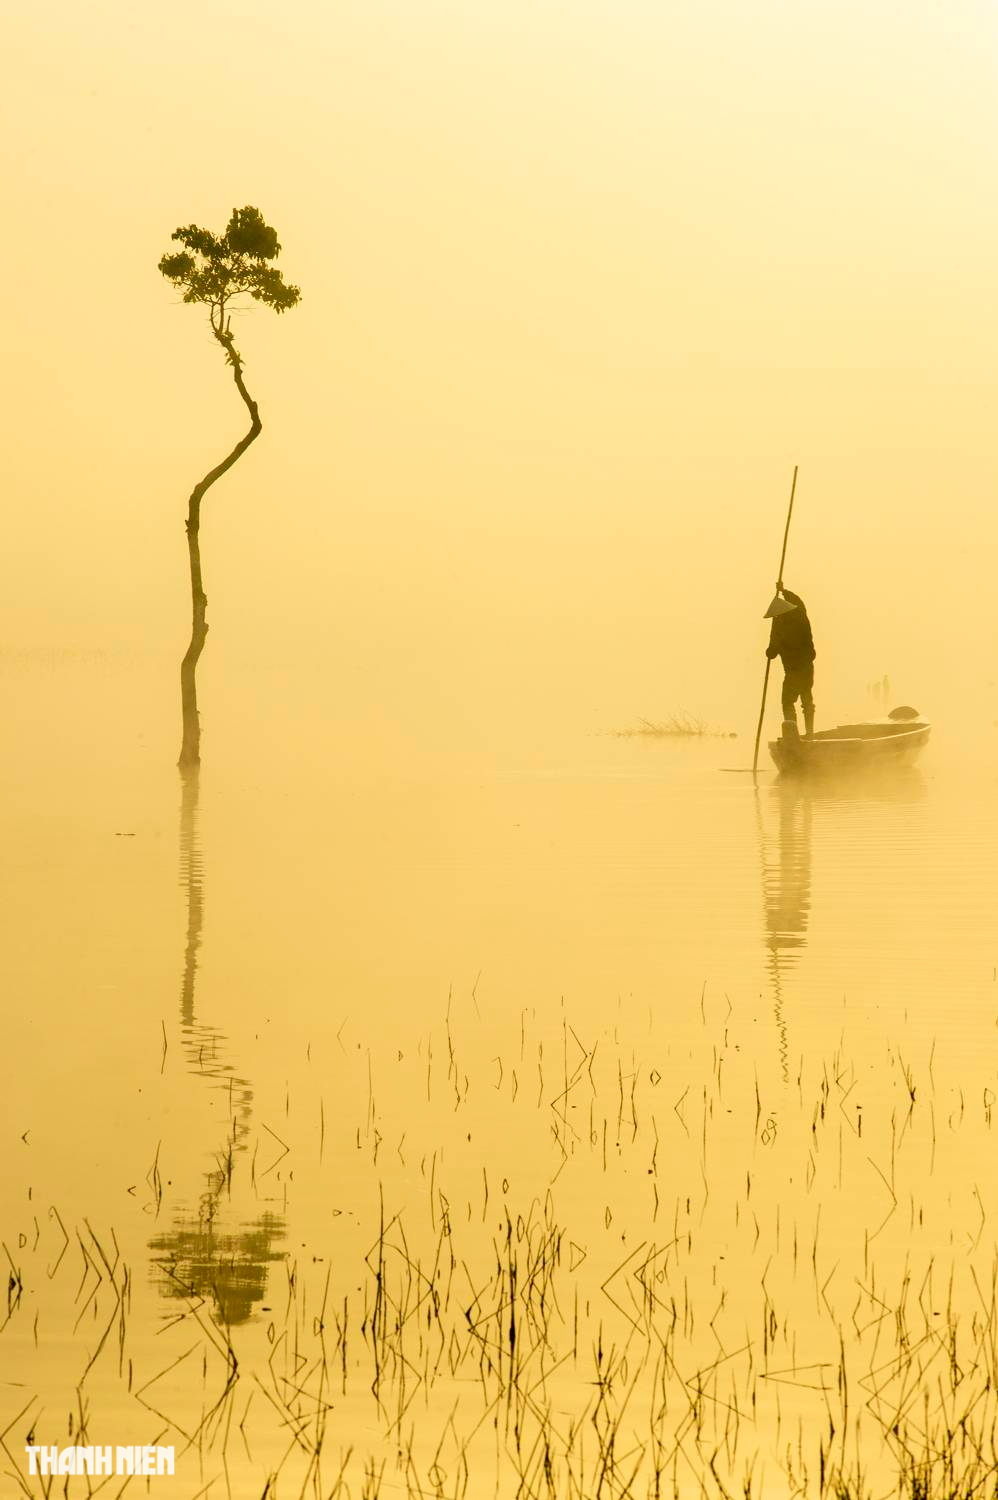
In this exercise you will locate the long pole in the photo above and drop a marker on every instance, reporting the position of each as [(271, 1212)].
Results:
[(765, 680)]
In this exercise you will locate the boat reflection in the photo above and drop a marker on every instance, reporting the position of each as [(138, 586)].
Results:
[(199, 1255)]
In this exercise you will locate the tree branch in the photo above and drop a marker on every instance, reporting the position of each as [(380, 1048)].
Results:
[(224, 337)]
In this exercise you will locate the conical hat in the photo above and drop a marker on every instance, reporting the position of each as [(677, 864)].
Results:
[(778, 607)]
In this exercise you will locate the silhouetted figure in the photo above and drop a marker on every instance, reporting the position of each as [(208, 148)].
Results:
[(790, 639)]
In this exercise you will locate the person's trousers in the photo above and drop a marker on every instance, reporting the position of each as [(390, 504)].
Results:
[(797, 683)]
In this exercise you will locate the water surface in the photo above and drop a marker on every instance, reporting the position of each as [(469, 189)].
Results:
[(387, 1100)]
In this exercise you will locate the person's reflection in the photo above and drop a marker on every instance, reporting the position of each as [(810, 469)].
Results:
[(198, 1256), (786, 891), (787, 873), (785, 813)]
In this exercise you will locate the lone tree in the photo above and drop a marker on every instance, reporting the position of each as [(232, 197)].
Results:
[(218, 271)]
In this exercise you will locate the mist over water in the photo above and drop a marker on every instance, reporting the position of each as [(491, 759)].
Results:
[(261, 1007), (448, 1091)]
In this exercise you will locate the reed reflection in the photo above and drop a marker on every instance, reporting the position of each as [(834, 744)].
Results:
[(199, 1255)]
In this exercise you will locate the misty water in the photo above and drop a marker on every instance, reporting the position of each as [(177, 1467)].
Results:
[(324, 1065)]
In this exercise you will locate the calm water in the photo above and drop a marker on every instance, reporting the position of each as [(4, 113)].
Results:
[(318, 1069)]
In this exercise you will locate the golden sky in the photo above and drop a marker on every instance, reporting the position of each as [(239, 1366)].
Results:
[(582, 282)]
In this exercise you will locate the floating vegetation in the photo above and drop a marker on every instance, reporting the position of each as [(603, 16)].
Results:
[(546, 1263), (677, 726)]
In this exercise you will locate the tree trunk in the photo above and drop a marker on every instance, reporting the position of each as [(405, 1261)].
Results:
[(190, 748)]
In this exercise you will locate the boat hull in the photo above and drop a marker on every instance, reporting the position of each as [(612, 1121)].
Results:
[(851, 747)]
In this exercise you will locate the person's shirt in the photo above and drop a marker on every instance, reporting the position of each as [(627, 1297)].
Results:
[(790, 637)]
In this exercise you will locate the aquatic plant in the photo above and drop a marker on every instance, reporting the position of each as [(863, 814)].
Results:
[(676, 726), (563, 1264)]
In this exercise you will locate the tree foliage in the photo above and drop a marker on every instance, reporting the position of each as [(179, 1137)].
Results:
[(214, 269)]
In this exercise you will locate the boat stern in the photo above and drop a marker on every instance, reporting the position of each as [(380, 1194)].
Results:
[(787, 752)]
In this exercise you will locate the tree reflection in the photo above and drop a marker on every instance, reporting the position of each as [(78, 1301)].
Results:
[(200, 1261), (199, 1256)]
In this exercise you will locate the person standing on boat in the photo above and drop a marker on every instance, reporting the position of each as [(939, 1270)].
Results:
[(791, 640)]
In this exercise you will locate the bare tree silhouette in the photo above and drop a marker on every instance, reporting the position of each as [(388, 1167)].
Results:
[(217, 271)]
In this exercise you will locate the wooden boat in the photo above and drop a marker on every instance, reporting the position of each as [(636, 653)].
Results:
[(851, 747)]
